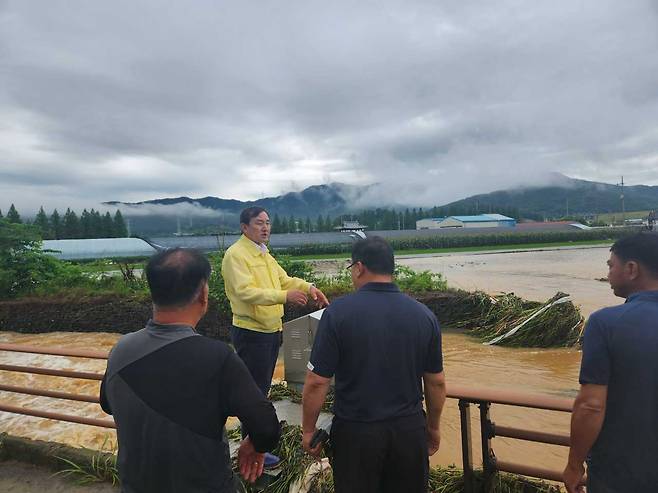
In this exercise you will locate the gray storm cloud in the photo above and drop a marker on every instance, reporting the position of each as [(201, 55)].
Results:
[(136, 100)]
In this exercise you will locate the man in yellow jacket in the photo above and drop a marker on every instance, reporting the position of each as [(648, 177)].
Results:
[(257, 288)]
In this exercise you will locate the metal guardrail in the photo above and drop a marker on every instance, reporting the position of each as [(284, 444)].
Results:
[(53, 351), (484, 398), (466, 396)]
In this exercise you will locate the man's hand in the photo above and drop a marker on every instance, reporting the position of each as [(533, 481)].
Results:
[(319, 297), (433, 441), (250, 462), (296, 297), (572, 477), (306, 443)]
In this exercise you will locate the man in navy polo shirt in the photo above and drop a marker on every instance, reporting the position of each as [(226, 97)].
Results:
[(381, 346), (615, 416)]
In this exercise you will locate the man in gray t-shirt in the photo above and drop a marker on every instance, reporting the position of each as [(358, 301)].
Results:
[(615, 417)]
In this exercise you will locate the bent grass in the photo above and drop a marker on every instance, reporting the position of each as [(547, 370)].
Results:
[(102, 467)]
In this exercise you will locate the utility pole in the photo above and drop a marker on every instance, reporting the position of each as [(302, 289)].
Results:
[(623, 207), (567, 206)]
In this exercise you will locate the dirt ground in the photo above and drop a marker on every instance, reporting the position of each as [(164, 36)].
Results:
[(18, 477)]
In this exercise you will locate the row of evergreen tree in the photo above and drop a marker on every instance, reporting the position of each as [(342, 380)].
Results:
[(382, 219), (90, 224)]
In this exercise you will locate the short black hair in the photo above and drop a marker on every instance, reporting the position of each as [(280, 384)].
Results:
[(376, 254), (175, 276), (249, 213), (641, 248)]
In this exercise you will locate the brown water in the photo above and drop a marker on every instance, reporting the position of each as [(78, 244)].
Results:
[(536, 275), (45, 429)]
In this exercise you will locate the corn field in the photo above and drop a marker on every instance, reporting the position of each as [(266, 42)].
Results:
[(471, 240)]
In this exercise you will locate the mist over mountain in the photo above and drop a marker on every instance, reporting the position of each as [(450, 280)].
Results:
[(168, 215), (563, 196)]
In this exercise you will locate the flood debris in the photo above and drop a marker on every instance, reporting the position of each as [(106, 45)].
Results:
[(508, 320), (300, 473)]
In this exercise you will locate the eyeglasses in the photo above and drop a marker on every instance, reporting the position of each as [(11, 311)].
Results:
[(352, 264)]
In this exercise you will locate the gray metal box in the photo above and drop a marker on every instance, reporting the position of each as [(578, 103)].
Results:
[(298, 337)]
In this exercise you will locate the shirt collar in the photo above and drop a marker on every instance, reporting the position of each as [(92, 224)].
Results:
[(643, 295), (380, 286), (260, 247), (170, 329)]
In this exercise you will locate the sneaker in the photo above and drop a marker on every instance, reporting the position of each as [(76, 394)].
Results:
[(271, 461)]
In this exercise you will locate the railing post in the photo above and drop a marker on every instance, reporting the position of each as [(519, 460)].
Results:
[(488, 457), (467, 450)]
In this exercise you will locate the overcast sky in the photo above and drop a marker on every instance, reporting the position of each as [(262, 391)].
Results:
[(134, 100)]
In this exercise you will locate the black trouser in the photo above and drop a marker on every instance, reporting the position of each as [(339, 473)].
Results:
[(386, 456), (596, 485), (259, 352)]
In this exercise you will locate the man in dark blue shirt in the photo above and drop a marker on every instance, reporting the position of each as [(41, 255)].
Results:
[(381, 346), (615, 416)]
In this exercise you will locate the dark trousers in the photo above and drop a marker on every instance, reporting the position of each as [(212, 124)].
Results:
[(595, 485), (387, 456), (259, 352)]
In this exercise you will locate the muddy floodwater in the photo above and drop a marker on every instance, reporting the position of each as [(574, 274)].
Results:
[(533, 275)]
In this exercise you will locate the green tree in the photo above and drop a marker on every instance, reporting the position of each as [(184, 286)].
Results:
[(56, 225), (276, 224), (26, 269), (21, 259), (71, 226), (307, 225), (292, 224), (41, 222), (85, 224), (331, 222), (120, 229), (13, 216), (1, 216), (107, 230), (96, 224), (319, 225)]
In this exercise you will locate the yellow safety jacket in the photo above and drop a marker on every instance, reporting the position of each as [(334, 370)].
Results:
[(256, 286)]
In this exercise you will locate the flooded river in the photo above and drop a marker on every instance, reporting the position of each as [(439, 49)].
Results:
[(533, 275)]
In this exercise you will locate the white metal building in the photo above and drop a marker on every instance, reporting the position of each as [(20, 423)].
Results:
[(429, 223), (479, 221)]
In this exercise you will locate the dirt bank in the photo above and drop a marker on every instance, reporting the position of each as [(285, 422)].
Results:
[(93, 314), (123, 315)]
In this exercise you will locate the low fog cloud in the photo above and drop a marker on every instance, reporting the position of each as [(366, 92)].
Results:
[(184, 209), (431, 101)]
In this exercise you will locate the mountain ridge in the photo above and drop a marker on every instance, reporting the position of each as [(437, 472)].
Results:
[(564, 196)]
